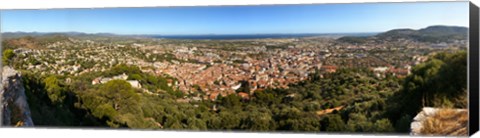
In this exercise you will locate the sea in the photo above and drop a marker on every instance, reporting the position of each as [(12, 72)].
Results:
[(257, 36)]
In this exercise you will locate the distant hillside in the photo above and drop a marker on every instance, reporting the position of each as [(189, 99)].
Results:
[(353, 39), (433, 34), (10, 35), (37, 42)]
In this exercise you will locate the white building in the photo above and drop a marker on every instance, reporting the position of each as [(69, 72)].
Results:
[(134, 83)]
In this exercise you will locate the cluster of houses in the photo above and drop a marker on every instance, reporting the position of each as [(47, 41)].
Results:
[(276, 69), (102, 80), (398, 72), (209, 69)]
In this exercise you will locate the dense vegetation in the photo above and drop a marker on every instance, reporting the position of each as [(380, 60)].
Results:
[(38, 42), (353, 39), (7, 56), (352, 100), (439, 82)]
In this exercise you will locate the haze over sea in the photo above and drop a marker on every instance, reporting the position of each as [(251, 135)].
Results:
[(257, 36)]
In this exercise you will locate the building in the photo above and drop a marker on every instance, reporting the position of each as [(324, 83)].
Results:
[(135, 83), (329, 68), (213, 96), (380, 69), (96, 80), (244, 96)]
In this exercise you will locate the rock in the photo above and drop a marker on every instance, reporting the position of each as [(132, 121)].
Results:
[(14, 105), (416, 125), (431, 113)]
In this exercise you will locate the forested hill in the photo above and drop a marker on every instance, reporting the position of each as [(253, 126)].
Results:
[(349, 100), (30, 42), (432, 34), (11, 35)]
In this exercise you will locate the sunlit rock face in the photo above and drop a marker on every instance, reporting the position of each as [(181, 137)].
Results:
[(440, 122), (15, 109)]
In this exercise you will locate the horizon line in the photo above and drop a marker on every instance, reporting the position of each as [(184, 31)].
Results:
[(160, 34)]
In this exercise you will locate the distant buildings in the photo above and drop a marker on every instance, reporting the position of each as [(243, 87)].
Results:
[(216, 70), (329, 68), (101, 80), (244, 96), (399, 72)]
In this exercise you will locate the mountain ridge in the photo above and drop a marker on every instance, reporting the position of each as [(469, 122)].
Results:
[(432, 34)]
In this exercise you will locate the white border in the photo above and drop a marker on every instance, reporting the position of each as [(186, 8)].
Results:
[(89, 132), (47, 4)]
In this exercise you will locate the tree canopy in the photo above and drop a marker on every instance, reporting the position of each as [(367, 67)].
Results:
[(350, 99), (8, 54)]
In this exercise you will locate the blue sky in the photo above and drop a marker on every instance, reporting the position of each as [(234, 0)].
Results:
[(266, 19)]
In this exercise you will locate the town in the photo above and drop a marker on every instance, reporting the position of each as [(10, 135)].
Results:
[(223, 67)]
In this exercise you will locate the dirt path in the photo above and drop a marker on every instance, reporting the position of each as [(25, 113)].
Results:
[(327, 111)]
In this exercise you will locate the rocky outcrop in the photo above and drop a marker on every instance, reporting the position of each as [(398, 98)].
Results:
[(15, 109), (440, 122)]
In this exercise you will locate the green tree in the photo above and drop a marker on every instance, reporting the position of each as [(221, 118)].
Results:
[(439, 82), (115, 101), (196, 124), (231, 101), (214, 122), (8, 54), (54, 90), (265, 97), (135, 77), (258, 121), (358, 122), (335, 123), (229, 120), (403, 124), (383, 125)]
